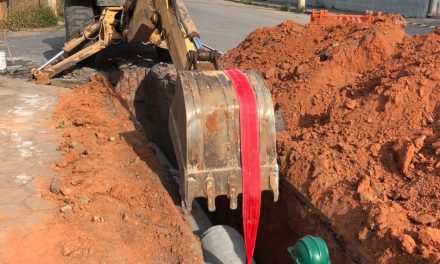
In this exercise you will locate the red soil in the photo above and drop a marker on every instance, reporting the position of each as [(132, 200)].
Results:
[(116, 207), (361, 106)]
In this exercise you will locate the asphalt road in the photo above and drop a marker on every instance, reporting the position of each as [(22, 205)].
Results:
[(224, 24)]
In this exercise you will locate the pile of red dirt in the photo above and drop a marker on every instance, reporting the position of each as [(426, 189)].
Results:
[(361, 138), (112, 192)]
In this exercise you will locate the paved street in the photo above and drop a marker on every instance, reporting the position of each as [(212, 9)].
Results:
[(35, 47), (224, 24), (28, 143)]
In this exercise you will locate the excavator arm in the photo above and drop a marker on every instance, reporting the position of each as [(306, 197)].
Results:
[(102, 31), (164, 23), (167, 24)]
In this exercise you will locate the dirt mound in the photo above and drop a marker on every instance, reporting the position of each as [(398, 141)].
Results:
[(361, 106), (113, 204)]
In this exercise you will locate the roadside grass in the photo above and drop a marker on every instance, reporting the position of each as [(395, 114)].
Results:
[(32, 16)]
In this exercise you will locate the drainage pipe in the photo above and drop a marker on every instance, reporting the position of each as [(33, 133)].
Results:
[(223, 244)]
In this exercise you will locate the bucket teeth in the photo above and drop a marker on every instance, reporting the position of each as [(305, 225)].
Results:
[(191, 185), (274, 186), (210, 192), (232, 193)]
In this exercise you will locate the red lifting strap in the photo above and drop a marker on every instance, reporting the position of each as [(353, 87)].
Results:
[(250, 158)]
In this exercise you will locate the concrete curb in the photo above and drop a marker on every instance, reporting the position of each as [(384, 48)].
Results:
[(275, 6)]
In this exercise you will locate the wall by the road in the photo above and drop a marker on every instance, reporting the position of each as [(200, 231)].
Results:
[(407, 8), (434, 9), (19, 3)]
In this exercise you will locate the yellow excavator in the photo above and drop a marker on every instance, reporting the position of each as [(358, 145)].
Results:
[(221, 122)]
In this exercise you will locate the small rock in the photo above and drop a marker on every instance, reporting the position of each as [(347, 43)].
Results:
[(115, 191), (98, 219), (111, 139), (83, 166), (436, 146), (78, 147), (430, 237), (363, 234), (81, 121), (65, 191), (419, 143), (423, 219), (403, 152), (423, 250), (408, 244), (350, 104), (76, 208), (286, 66), (83, 199), (100, 135), (62, 124), (365, 190), (69, 248), (344, 147), (66, 209), (76, 181), (125, 217), (269, 73), (306, 137), (62, 164), (55, 186), (375, 149)]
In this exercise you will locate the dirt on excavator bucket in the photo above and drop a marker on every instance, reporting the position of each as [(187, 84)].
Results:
[(204, 123)]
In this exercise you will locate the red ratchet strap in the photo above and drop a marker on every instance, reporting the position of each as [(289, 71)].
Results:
[(250, 158)]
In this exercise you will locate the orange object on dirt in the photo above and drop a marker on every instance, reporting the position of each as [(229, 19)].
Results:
[(368, 17)]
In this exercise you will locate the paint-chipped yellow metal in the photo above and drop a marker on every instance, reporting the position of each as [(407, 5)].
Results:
[(106, 35)]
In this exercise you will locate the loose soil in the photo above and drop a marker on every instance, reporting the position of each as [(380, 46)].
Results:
[(113, 194), (361, 139)]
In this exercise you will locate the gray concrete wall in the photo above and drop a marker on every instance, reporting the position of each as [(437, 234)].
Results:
[(407, 8), (434, 9)]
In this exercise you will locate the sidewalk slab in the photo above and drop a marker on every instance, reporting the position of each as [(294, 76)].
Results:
[(28, 143)]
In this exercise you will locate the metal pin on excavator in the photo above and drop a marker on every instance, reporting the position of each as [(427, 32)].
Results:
[(221, 122)]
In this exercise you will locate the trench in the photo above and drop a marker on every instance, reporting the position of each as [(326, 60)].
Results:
[(146, 91)]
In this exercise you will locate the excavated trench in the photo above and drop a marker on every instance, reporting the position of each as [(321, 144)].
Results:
[(147, 91)]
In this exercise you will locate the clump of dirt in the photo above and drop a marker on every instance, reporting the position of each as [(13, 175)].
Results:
[(361, 106), (112, 192)]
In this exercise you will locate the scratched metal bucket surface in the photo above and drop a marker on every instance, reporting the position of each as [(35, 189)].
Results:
[(205, 129)]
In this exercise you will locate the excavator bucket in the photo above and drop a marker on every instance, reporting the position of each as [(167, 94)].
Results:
[(205, 129)]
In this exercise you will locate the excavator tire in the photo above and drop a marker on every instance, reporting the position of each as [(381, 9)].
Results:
[(78, 14)]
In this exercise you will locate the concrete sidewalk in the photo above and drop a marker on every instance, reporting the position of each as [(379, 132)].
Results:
[(28, 143)]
